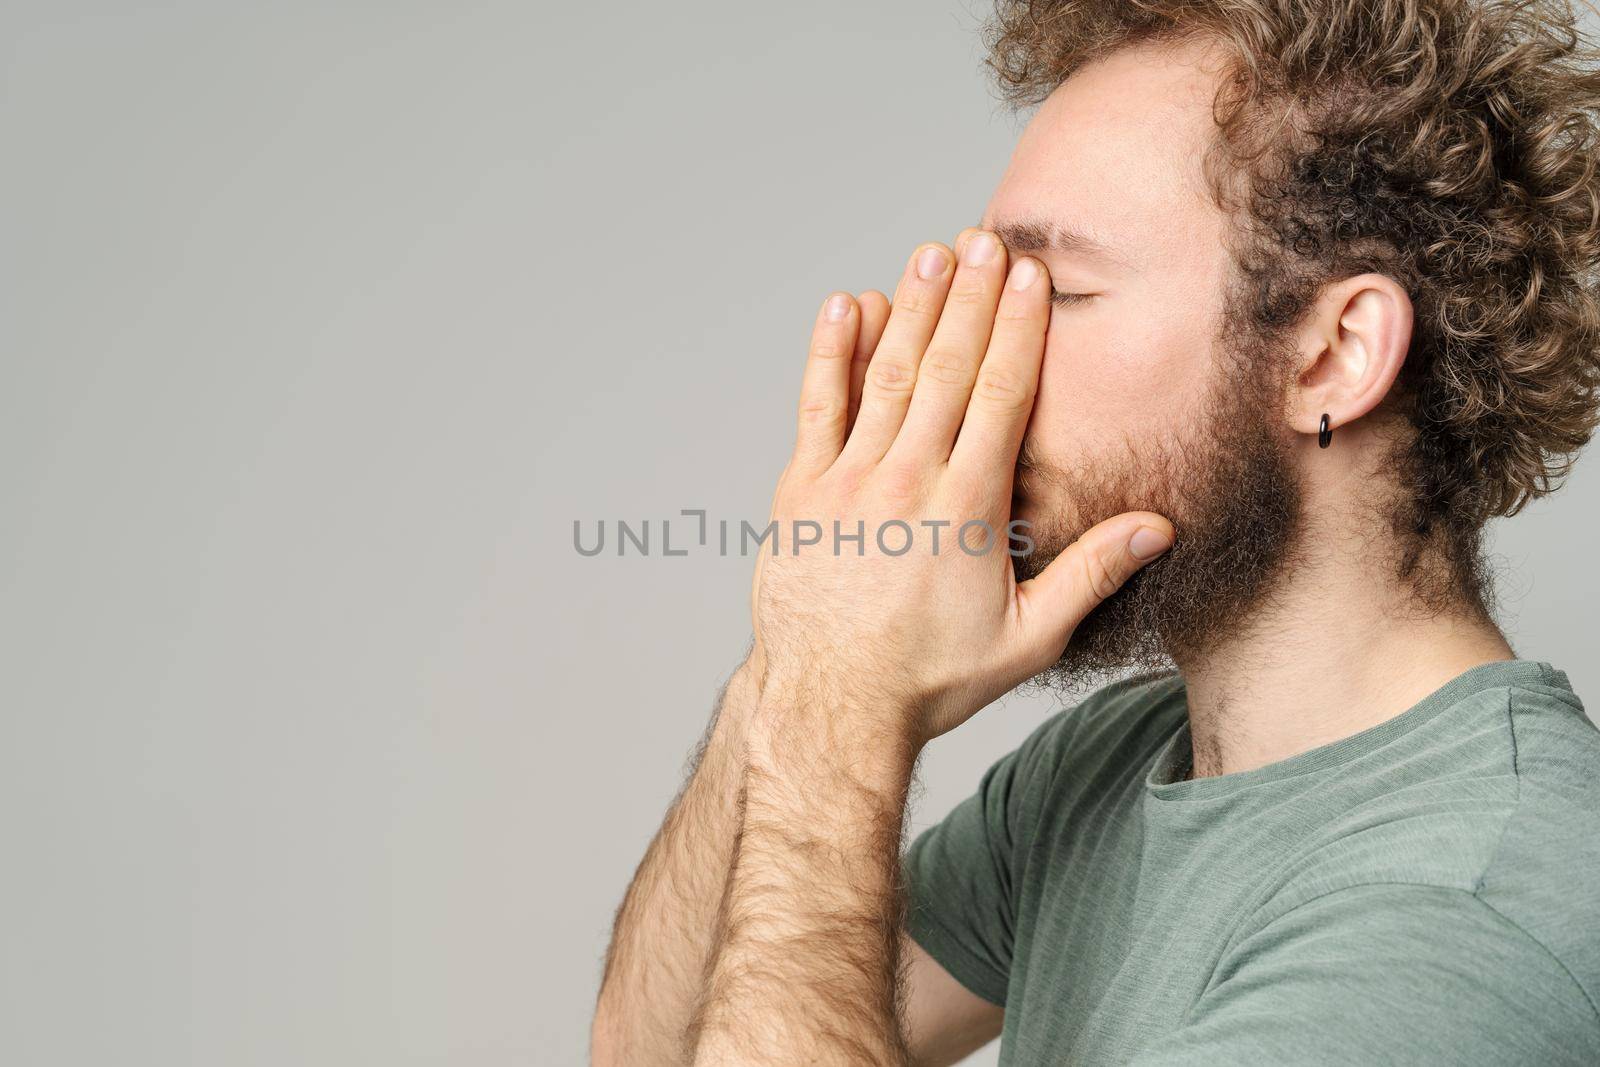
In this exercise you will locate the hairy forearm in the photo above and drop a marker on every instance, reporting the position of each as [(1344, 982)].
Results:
[(660, 947), (807, 965)]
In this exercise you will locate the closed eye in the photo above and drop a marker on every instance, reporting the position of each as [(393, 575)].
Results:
[(1060, 299)]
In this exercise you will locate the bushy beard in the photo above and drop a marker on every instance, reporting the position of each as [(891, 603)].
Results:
[(1225, 482)]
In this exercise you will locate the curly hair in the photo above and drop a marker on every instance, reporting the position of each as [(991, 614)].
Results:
[(1448, 144)]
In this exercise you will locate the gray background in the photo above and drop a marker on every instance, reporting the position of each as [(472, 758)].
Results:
[(320, 326)]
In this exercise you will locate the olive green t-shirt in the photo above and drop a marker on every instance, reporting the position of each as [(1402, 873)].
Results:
[(1423, 892)]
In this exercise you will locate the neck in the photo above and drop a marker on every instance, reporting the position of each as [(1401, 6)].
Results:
[(1338, 646)]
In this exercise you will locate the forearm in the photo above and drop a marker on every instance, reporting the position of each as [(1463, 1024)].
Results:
[(665, 928), (807, 969)]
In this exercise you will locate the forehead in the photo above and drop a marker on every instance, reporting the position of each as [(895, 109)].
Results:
[(1117, 151)]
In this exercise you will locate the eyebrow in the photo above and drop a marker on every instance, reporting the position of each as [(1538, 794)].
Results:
[(1031, 236)]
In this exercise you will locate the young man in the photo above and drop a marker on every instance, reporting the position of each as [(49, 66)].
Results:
[(1276, 305)]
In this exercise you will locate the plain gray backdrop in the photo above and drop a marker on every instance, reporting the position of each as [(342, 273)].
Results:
[(321, 324)]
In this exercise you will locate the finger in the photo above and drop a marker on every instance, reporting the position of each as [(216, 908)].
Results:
[(950, 365), (825, 385), (892, 372), (961, 240), (874, 316), (1008, 378), (1085, 574)]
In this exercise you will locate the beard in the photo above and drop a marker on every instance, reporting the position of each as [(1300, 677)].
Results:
[(1226, 483)]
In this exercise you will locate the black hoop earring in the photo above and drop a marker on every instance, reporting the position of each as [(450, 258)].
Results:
[(1324, 432)]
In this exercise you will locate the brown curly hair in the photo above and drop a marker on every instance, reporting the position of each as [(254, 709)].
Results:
[(1448, 144)]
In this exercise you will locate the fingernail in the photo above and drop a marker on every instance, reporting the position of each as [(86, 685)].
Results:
[(1147, 543), (1023, 274), (838, 307), (930, 264), (979, 250)]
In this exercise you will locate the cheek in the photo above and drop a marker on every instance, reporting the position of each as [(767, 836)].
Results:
[(1108, 375)]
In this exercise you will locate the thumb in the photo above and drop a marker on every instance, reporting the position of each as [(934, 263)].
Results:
[(1087, 572)]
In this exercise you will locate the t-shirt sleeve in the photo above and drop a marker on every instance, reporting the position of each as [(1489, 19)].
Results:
[(962, 872), (1391, 974)]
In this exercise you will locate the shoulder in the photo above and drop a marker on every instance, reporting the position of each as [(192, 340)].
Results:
[(1143, 707), (1119, 725), (1097, 751), (1419, 973), (1500, 807), (1545, 868), (1508, 775)]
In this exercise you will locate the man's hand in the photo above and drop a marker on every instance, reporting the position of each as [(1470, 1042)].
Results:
[(922, 613), (869, 648)]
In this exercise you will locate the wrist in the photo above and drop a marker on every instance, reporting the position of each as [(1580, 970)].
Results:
[(742, 693), (802, 730)]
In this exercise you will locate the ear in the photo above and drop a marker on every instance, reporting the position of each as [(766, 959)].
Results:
[(1352, 345)]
